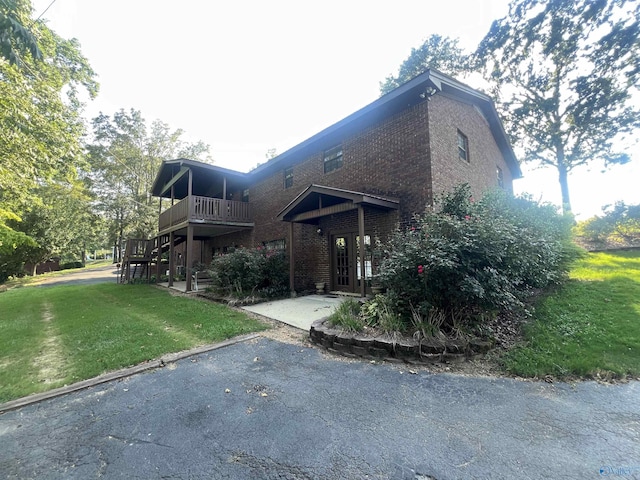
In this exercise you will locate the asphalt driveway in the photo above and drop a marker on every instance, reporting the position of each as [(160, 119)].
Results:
[(82, 277), (265, 409)]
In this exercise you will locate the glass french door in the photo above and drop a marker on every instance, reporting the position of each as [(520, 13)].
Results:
[(347, 273)]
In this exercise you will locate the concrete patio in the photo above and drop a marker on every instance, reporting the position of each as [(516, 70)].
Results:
[(299, 312)]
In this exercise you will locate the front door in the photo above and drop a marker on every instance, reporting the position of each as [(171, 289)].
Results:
[(345, 258)]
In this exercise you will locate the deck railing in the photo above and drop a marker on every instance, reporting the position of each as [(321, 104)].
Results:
[(199, 209)]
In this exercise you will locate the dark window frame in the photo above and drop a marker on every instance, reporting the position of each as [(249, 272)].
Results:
[(333, 159), (245, 195), (288, 177), (463, 147)]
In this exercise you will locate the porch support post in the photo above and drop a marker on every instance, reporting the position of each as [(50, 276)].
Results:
[(172, 263), (224, 188), (187, 268), (159, 258), (361, 246), (291, 262)]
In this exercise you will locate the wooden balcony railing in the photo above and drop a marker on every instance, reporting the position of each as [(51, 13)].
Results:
[(198, 209)]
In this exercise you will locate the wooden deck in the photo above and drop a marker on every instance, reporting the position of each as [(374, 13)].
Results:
[(198, 209)]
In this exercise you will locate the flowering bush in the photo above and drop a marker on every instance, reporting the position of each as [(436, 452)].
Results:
[(474, 258), (245, 272)]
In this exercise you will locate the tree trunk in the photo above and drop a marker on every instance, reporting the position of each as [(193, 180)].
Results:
[(564, 188), (563, 174)]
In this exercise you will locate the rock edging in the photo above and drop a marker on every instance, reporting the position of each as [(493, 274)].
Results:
[(385, 347)]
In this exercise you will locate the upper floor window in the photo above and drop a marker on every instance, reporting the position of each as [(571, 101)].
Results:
[(500, 176), (463, 146), (333, 159), (245, 195), (288, 177)]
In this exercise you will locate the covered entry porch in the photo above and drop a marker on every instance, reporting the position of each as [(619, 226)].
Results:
[(346, 256)]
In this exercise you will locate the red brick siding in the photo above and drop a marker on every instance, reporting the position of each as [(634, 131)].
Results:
[(446, 117), (391, 158)]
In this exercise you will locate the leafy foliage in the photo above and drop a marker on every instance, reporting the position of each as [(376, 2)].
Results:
[(619, 226), (40, 124), (61, 222), (16, 40), (471, 258), (347, 315), (125, 156), (15, 249), (440, 53), (564, 76), (246, 272)]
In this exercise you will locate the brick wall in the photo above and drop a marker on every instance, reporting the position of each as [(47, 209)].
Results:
[(446, 116), (410, 156)]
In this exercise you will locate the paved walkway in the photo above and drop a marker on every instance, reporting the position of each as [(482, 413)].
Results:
[(270, 410), (83, 277), (298, 312)]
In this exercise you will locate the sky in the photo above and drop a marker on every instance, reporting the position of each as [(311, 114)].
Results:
[(249, 76)]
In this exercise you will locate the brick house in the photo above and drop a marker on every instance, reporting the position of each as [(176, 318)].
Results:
[(359, 178)]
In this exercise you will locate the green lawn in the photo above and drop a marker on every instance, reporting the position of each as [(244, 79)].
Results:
[(589, 327), (52, 336)]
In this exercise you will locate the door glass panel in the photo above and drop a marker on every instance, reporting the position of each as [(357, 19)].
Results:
[(368, 258), (342, 261)]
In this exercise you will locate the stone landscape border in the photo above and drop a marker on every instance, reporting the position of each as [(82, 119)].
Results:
[(397, 350)]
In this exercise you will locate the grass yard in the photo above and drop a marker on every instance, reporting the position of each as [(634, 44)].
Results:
[(53, 336), (590, 327)]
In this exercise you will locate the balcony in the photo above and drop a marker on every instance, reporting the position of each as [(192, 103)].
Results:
[(205, 210)]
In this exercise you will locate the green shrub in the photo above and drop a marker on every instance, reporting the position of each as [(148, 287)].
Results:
[(472, 258), (347, 315), (381, 312), (69, 265), (248, 272), (15, 249)]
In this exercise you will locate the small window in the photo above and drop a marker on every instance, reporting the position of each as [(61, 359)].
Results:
[(463, 146), (500, 176), (245, 195), (288, 177), (333, 159), (275, 245)]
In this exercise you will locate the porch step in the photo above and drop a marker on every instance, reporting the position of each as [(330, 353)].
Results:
[(345, 294)]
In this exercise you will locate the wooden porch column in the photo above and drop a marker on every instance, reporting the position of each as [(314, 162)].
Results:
[(172, 263), (292, 268), (159, 259), (363, 286), (189, 265), (224, 188)]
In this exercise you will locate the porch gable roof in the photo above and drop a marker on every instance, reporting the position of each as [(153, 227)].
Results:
[(317, 201)]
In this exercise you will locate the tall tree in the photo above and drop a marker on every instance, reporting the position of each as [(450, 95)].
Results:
[(441, 53), (60, 220), (125, 156), (564, 74), (40, 124)]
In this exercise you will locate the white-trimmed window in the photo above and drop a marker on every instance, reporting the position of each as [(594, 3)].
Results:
[(463, 146)]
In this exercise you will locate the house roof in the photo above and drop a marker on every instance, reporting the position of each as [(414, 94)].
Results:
[(318, 200), (408, 94), (203, 173)]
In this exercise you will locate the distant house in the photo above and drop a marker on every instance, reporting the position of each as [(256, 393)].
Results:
[(359, 178)]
